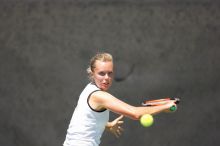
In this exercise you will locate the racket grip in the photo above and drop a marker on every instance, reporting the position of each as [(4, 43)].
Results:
[(173, 108)]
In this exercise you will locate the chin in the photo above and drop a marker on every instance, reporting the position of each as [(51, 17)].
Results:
[(104, 89)]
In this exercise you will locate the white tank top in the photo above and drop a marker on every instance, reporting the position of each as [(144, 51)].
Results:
[(86, 125)]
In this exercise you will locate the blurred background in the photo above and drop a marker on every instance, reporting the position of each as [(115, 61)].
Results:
[(169, 47)]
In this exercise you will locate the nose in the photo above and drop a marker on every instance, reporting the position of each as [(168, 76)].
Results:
[(106, 76)]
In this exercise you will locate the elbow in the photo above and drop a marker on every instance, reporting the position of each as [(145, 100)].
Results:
[(135, 115)]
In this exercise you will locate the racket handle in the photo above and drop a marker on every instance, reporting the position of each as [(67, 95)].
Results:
[(173, 108)]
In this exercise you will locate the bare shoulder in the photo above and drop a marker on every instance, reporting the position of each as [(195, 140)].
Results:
[(101, 96), (102, 99), (99, 99)]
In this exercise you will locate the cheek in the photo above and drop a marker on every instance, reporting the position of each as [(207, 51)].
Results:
[(97, 77)]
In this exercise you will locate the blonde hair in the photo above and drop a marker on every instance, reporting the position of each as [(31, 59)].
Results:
[(104, 57)]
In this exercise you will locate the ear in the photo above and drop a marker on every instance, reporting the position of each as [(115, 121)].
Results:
[(91, 76)]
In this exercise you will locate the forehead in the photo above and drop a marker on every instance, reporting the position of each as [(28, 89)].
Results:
[(103, 65)]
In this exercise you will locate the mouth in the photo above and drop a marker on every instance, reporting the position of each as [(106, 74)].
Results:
[(106, 85)]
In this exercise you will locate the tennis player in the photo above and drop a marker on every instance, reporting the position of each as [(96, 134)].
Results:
[(91, 115)]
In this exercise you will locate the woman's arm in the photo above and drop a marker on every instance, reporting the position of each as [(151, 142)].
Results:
[(101, 99)]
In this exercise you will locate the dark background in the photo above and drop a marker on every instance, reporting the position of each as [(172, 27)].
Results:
[(172, 46)]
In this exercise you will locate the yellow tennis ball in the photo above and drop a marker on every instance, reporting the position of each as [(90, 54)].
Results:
[(146, 120)]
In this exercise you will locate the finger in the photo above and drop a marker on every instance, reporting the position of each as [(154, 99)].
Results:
[(116, 134), (120, 122), (122, 129), (172, 102), (120, 117)]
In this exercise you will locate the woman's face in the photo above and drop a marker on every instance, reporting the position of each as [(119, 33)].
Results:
[(103, 74)]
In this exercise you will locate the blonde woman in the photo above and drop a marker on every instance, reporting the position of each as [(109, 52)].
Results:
[(91, 115)]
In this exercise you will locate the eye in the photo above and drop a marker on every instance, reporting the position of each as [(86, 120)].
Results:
[(102, 73), (110, 73)]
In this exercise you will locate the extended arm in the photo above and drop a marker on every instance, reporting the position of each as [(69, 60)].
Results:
[(101, 99)]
